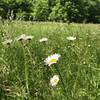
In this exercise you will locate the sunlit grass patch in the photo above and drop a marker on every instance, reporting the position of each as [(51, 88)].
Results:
[(72, 52)]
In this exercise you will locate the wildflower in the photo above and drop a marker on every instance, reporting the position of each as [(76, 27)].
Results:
[(43, 40), (89, 45), (54, 80), (28, 37), (84, 62), (7, 42), (71, 38), (20, 38), (52, 59), (24, 37)]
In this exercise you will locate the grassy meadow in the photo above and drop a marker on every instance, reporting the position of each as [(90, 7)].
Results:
[(24, 75)]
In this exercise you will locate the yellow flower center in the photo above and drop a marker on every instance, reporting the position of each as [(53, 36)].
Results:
[(53, 61), (56, 81)]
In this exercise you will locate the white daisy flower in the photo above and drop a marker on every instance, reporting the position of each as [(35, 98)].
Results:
[(28, 37), (7, 42), (24, 37), (20, 38), (54, 80), (43, 40), (71, 38), (52, 59)]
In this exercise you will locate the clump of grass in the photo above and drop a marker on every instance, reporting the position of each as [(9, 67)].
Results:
[(24, 75)]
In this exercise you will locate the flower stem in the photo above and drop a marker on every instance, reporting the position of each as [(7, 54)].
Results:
[(63, 85), (26, 72)]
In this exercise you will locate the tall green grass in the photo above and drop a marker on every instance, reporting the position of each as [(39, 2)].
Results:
[(23, 74)]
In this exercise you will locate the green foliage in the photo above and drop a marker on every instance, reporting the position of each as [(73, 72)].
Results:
[(71, 11), (51, 10), (23, 75), (40, 10), (94, 11), (58, 13), (18, 7)]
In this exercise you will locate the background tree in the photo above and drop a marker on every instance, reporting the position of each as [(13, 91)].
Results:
[(51, 10), (41, 10)]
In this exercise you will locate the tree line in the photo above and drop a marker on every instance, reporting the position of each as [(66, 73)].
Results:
[(51, 10)]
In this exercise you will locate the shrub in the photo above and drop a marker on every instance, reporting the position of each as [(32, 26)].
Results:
[(52, 10), (40, 10), (58, 13)]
